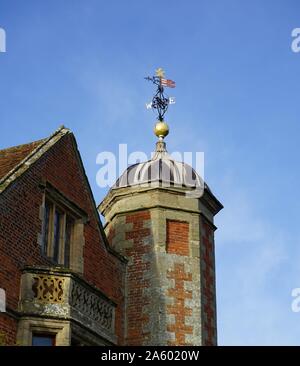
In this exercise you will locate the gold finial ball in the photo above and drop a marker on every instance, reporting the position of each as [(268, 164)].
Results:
[(161, 129)]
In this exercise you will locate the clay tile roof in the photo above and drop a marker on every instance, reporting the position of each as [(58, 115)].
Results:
[(11, 157)]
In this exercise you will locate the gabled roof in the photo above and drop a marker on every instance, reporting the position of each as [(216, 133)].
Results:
[(14, 161), (11, 157)]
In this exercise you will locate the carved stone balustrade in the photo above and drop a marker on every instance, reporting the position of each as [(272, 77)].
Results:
[(57, 293)]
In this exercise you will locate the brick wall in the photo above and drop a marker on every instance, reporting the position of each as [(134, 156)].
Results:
[(8, 330), (179, 309), (177, 242), (170, 291), (177, 237), (209, 332), (138, 281), (20, 224)]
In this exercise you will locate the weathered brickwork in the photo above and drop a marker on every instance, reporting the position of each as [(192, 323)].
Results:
[(8, 330), (111, 235), (177, 242), (138, 280), (20, 226), (209, 332), (164, 247), (177, 237), (180, 311)]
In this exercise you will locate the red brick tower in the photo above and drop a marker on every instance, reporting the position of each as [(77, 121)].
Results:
[(156, 218)]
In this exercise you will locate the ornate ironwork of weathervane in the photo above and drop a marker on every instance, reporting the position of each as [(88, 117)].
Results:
[(159, 101)]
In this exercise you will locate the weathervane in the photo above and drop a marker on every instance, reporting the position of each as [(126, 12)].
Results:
[(160, 101)]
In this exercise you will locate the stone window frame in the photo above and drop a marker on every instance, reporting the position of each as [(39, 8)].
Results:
[(79, 218), (41, 334), (49, 243), (40, 328), (28, 326)]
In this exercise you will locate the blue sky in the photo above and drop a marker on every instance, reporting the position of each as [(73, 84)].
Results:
[(81, 63)]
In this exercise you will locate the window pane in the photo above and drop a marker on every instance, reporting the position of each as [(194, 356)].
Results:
[(69, 226), (56, 237), (43, 340), (46, 227)]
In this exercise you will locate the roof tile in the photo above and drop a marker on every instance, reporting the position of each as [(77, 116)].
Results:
[(11, 157)]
